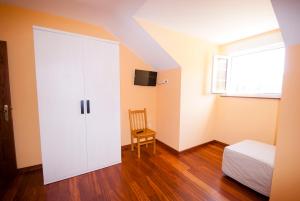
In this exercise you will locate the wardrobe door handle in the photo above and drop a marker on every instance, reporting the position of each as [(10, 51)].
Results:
[(81, 107), (88, 106)]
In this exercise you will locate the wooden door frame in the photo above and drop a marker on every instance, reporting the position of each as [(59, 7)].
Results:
[(10, 137)]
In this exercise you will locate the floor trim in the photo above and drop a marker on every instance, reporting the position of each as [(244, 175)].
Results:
[(221, 143), (204, 144), (128, 146), (171, 149), (196, 147), (29, 169), (125, 147), (174, 151)]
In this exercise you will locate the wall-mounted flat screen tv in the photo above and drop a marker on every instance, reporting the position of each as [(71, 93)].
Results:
[(145, 78)]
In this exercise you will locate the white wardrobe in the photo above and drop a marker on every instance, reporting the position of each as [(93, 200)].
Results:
[(78, 102)]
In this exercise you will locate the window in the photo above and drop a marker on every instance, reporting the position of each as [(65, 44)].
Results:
[(220, 64), (254, 73)]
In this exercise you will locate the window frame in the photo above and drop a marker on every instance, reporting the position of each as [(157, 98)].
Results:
[(229, 69), (215, 58)]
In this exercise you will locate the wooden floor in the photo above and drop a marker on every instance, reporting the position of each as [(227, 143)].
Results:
[(192, 175)]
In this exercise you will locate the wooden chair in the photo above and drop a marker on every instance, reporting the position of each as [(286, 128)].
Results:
[(140, 131)]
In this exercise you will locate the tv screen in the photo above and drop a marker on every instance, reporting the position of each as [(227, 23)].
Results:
[(145, 78)]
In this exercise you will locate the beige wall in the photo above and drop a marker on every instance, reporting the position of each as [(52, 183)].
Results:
[(16, 28), (196, 116), (253, 42), (196, 105), (132, 96), (286, 177), (168, 107), (237, 118), (245, 118), (204, 117)]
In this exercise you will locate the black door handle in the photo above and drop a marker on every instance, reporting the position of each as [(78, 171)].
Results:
[(88, 106), (81, 107)]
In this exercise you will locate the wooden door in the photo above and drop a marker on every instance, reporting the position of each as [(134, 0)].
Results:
[(7, 147), (60, 88), (102, 83)]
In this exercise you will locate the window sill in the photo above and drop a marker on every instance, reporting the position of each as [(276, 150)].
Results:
[(260, 96)]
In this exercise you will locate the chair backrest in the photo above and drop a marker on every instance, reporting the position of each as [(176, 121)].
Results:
[(137, 119)]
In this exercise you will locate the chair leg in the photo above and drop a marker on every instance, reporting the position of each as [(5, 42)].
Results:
[(154, 145), (147, 143), (132, 144), (139, 148)]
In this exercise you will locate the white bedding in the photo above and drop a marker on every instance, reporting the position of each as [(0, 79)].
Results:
[(250, 163)]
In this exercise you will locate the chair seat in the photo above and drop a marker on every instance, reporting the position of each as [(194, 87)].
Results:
[(143, 133)]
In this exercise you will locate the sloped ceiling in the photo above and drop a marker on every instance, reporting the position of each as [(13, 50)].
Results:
[(288, 15), (218, 21), (115, 16)]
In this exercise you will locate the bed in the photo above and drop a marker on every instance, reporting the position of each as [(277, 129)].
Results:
[(250, 163)]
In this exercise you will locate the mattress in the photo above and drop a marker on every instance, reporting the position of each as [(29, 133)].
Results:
[(250, 163)]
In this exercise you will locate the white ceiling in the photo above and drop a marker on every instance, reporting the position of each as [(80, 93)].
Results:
[(113, 15), (219, 21)]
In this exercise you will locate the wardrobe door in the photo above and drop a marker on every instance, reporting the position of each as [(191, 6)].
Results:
[(60, 89), (102, 83)]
